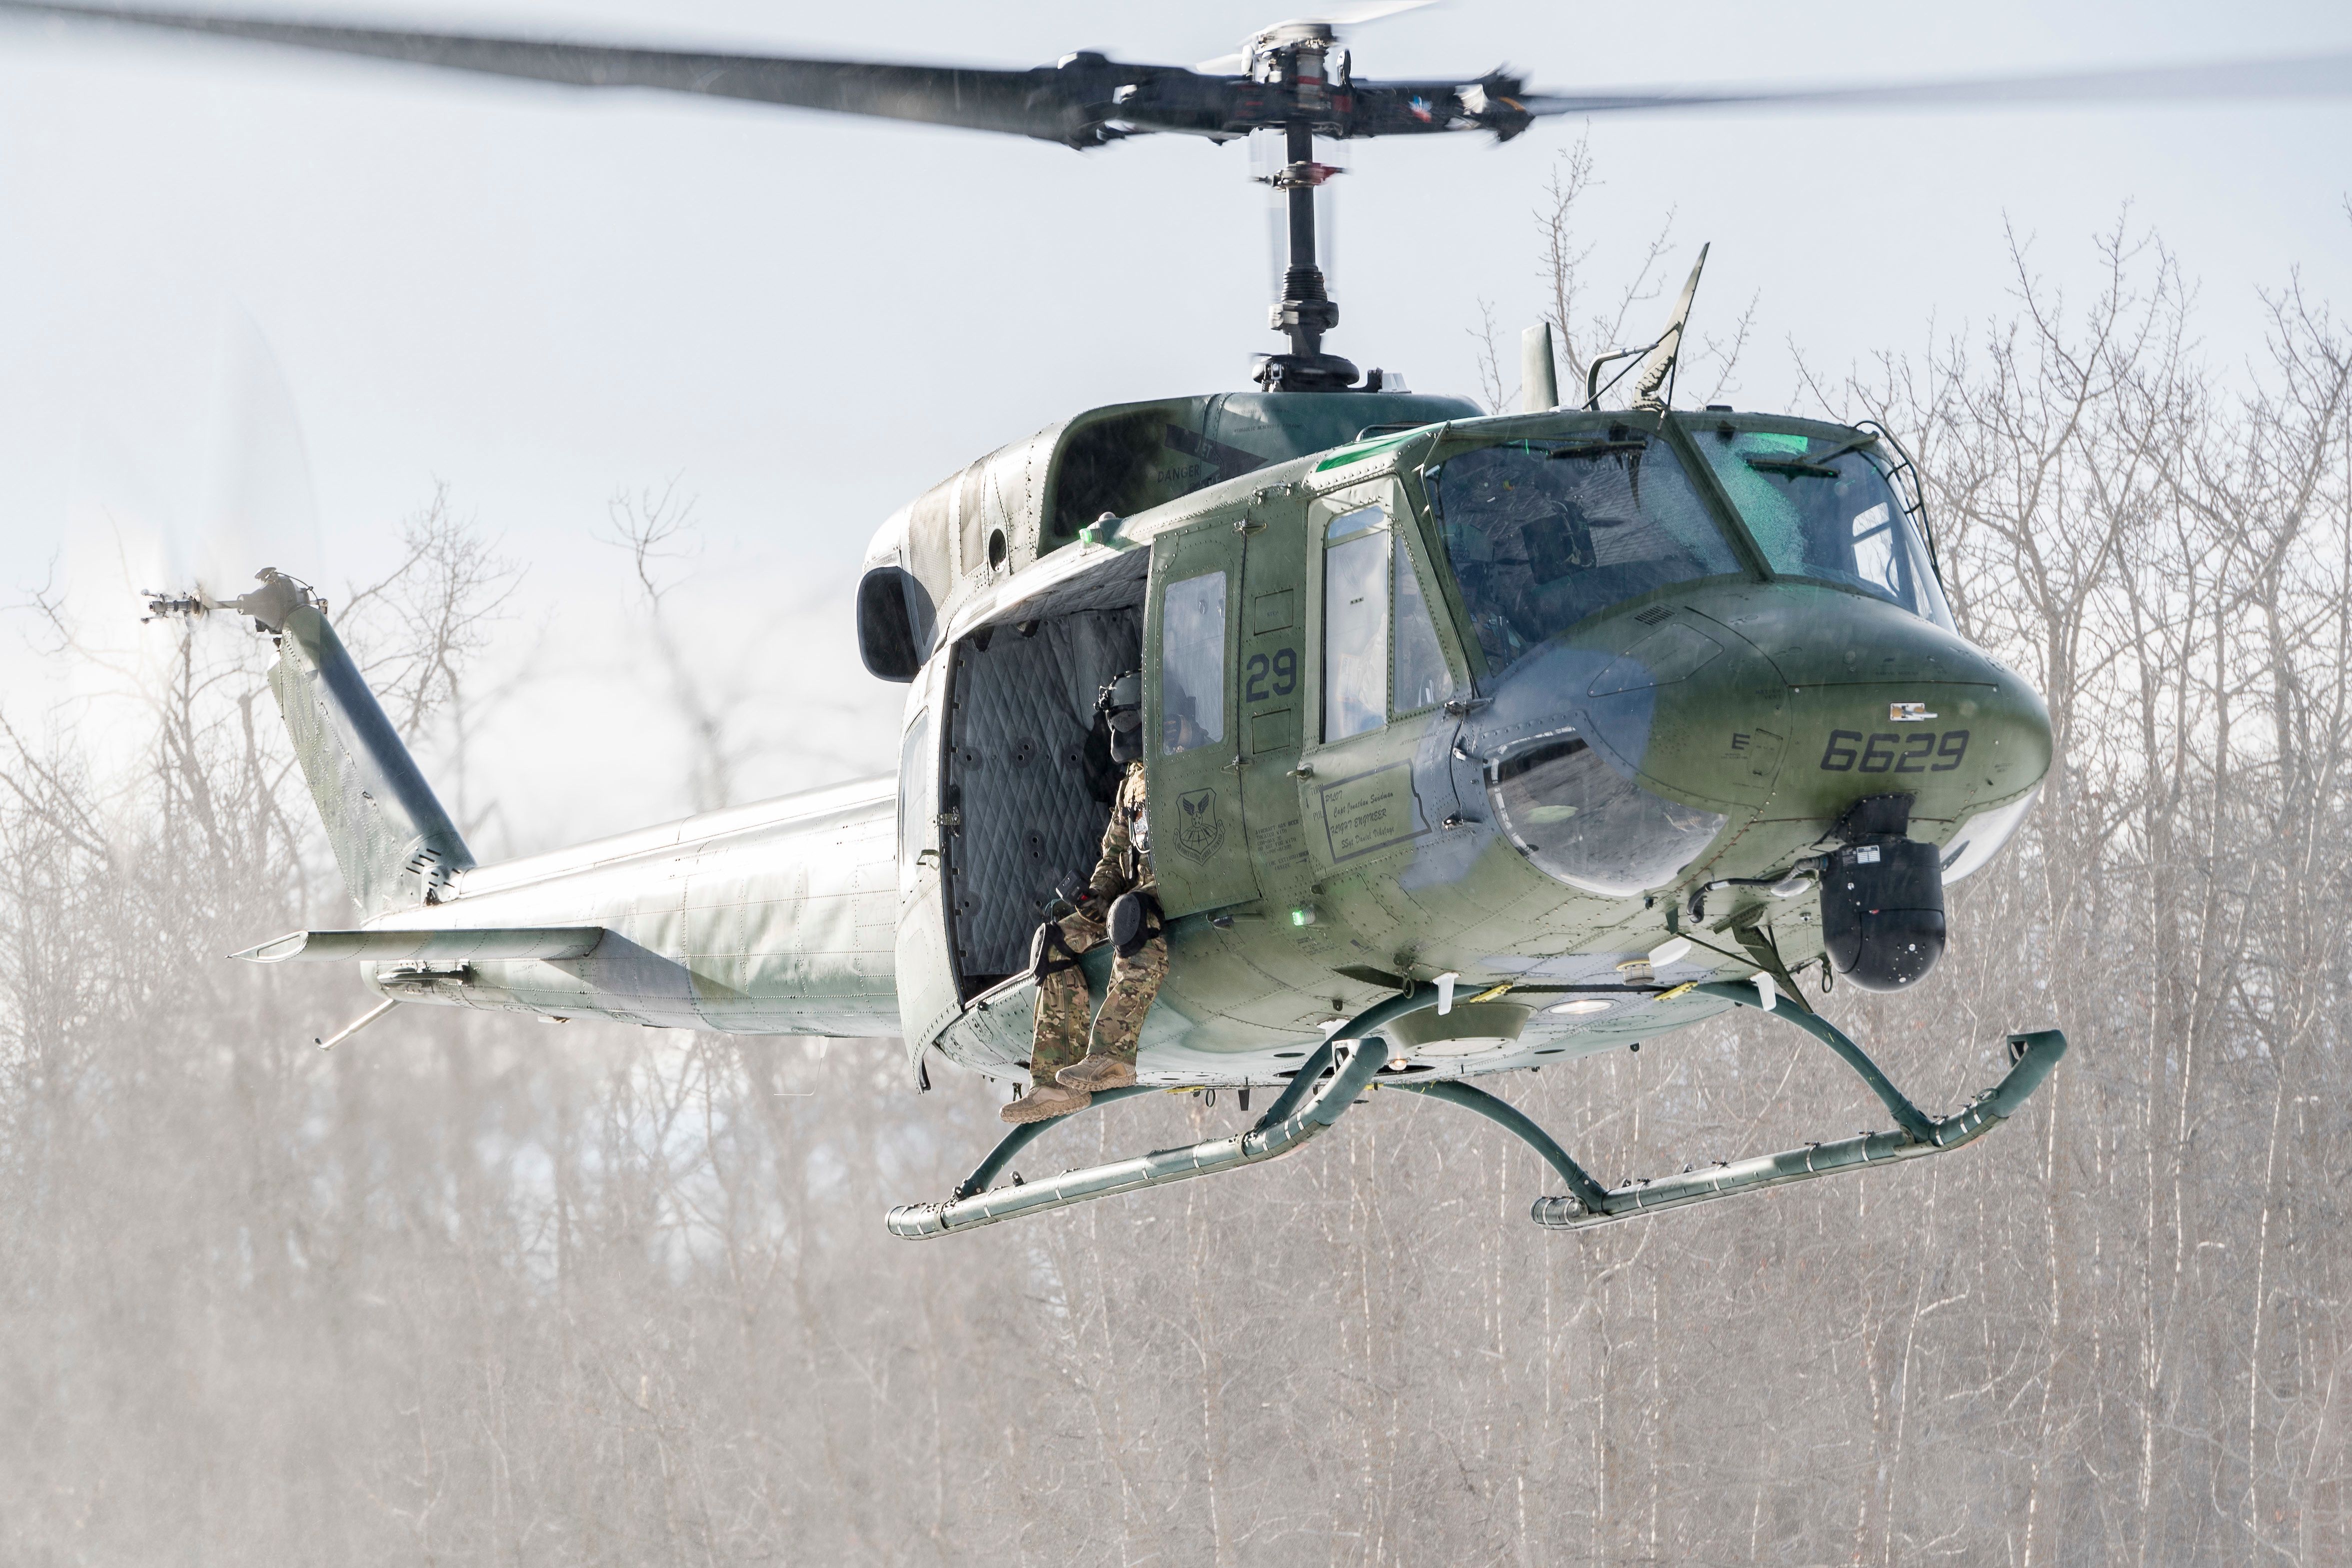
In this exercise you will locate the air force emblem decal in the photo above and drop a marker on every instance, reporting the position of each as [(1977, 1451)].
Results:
[(1199, 829)]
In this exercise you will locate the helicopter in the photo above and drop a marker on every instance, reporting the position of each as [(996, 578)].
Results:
[(1477, 741)]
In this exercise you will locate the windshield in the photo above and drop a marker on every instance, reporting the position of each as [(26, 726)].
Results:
[(1544, 533), (1819, 506)]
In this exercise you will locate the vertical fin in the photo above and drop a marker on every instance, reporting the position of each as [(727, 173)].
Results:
[(396, 846)]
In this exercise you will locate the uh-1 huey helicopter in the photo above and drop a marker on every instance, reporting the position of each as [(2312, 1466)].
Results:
[(1476, 742)]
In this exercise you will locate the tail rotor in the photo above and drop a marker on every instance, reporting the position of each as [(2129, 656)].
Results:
[(260, 504)]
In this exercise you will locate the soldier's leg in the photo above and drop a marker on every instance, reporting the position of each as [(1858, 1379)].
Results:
[(1119, 1029), (1058, 1041)]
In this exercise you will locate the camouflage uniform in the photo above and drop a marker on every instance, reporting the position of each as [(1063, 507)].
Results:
[(1125, 866)]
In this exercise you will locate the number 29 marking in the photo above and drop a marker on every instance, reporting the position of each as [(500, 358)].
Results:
[(1851, 751), (1283, 667)]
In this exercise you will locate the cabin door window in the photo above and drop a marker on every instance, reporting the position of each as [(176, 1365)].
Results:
[(1192, 664), (1355, 623), (1381, 658)]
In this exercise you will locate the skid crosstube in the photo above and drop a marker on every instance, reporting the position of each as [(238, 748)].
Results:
[(1307, 1106)]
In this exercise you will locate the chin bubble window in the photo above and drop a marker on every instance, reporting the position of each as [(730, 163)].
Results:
[(1979, 838), (1580, 821)]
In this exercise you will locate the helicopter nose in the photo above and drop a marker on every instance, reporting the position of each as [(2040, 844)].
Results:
[(1617, 764), (1879, 701)]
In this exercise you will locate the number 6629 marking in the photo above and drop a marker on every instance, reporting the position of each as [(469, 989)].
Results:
[(1850, 751)]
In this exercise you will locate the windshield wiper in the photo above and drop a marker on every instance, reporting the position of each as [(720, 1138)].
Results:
[(1793, 467), (1599, 449), (1811, 468)]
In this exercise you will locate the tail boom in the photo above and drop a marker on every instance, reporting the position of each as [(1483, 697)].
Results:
[(773, 918)]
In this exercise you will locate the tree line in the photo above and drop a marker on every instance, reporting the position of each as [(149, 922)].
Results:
[(473, 1290)]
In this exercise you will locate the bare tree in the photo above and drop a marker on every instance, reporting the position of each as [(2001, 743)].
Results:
[(426, 620), (657, 530), (1499, 400)]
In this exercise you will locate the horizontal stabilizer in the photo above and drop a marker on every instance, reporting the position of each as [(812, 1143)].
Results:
[(483, 943)]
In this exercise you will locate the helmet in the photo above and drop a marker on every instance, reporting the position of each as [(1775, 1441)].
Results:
[(1121, 706)]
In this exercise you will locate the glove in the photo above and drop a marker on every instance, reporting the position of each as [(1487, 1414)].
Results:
[(1081, 931)]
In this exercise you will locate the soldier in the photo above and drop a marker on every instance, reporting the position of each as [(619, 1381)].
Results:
[(1119, 905)]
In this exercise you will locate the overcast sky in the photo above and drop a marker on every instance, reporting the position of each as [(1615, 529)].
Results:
[(244, 280)]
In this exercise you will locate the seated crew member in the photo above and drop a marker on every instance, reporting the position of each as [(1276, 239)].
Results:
[(1120, 906)]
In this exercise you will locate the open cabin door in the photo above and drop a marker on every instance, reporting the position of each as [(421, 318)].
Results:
[(1200, 841), (928, 1001), (1024, 779)]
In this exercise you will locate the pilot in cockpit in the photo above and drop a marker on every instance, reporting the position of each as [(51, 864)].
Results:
[(1521, 540)]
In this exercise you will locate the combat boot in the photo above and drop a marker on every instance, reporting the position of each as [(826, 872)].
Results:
[(1046, 1101), (1095, 1074)]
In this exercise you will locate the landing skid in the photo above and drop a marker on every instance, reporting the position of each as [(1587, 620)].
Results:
[(1308, 1106), (1291, 1121), (1917, 1135)]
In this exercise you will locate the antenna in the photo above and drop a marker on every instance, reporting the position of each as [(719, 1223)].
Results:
[(1538, 379), (1656, 370), (1654, 361)]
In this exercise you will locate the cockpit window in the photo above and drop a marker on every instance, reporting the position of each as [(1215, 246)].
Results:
[(1543, 533), (1819, 506)]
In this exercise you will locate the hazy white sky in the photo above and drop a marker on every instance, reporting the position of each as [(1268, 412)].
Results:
[(539, 295)]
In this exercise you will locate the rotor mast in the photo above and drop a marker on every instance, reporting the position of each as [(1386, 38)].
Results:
[(1304, 60)]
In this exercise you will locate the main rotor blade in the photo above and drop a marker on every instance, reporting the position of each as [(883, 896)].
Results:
[(1086, 99), (1053, 104), (2307, 76)]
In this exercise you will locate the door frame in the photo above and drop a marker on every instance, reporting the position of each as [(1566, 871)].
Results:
[(1199, 836)]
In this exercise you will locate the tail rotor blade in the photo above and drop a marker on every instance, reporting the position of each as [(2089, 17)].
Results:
[(254, 503), (264, 510)]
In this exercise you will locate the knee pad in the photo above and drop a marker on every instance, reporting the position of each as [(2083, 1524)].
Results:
[(1134, 920)]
